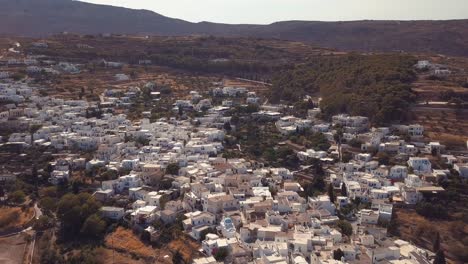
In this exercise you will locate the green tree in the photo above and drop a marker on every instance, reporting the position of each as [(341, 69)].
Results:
[(221, 254), (392, 227), (93, 227), (318, 141), (436, 243), (345, 227), (17, 197), (145, 236), (76, 186), (50, 256), (86, 256), (376, 86), (33, 129), (440, 257), (48, 205), (34, 174), (344, 191), (227, 127), (177, 258), (331, 193), (172, 169), (338, 254), (73, 210), (355, 143), (44, 222)]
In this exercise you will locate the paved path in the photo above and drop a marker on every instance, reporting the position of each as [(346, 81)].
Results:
[(37, 211)]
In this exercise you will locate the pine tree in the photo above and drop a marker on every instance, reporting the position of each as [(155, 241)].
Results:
[(177, 258), (392, 227), (331, 193), (344, 192), (35, 177), (440, 257), (436, 244)]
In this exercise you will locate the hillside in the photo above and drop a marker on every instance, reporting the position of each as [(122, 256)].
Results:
[(45, 17), (376, 86)]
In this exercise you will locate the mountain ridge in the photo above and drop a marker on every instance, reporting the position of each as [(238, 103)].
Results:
[(38, 18)]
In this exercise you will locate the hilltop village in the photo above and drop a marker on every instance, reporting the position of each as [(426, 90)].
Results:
[(241, 179)]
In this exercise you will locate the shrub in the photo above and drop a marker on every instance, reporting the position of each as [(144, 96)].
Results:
[(43, 223), (17, 197)]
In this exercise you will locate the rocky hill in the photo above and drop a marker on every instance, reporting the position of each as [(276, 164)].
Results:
[(45, 17)]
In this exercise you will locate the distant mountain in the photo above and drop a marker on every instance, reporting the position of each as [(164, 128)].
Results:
[(44, 17)]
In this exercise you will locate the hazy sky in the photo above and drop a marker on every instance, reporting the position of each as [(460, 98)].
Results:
[(268, 11)]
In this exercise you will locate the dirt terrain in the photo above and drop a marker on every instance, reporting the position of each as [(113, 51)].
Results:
[(14, 217), (12, 249), (447, 125), (421, 231), (124, 240), (95, 82), (442, 121), (128, 245)]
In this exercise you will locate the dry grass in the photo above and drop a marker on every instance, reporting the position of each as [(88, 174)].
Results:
[(444, 125), (124, 240), (130, 249), (108, 256), (69, 86), (186, 246), (12, 217), (421, 231), (448, 139)]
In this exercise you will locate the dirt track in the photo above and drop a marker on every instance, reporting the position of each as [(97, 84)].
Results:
[(12, 249)]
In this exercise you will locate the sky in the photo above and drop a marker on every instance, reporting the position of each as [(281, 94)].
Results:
[(269, 11)]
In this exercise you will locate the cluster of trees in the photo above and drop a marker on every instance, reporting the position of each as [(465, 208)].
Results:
[(78, 215), (317, 141), (257, 140), (432, 210), (246, 69), (318, 184), (281, 156), (376, 86)]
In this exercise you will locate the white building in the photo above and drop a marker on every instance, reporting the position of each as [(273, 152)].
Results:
[(113, 213), (420, 165)]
